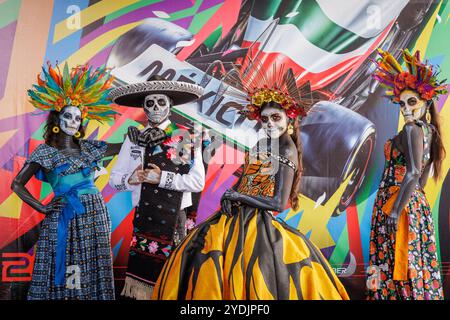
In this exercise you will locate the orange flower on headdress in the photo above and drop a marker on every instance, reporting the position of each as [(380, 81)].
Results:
[(418, 76)]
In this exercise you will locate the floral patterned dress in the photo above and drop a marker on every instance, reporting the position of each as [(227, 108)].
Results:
[(423, 276)]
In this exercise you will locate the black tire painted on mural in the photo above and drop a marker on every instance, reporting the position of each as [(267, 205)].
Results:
[(336, 142), (153, 31)]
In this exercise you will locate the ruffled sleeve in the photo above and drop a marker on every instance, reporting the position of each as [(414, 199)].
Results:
[(96, 149), (42, 155)]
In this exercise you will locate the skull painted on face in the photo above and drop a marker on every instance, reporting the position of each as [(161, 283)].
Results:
[(70, 120), (274, 121), (157, 107), (412, 106)]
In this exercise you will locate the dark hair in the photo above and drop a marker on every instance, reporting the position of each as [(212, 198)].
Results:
[(293, 197), (437, 146), (53, 121)]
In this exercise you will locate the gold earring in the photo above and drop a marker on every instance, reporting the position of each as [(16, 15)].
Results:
[(428, 116), (77, 134), (55, 129), (290, 129)]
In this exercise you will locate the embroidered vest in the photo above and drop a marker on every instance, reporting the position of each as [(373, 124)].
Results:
[(156, 214)]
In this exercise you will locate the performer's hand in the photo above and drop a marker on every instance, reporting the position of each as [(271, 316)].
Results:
[(133, 134), (55, 205), (138, 176), (392, 222), (226, 202), (153, 175)]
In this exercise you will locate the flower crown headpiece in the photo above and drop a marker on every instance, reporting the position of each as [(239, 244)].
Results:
[(81, 87), (418, 76), (252, 85)]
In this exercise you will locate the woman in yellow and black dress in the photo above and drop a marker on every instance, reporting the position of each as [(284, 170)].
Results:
[(242, 251)]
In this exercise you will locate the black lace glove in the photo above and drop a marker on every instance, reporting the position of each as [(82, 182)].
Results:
[(133, 134), (227, 202), (56, 205)]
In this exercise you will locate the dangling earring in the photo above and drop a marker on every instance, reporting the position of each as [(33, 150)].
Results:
[(428, 116), (55, 129), (290, 129), (77, 135)]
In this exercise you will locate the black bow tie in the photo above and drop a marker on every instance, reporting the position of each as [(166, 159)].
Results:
[(151, 137)]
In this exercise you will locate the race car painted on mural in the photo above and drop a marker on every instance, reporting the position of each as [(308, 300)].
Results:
[(314, 38)]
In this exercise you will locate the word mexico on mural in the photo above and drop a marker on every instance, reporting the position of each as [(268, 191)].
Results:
[(329, 43)]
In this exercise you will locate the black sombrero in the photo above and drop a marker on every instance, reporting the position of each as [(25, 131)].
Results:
[(133, 95)]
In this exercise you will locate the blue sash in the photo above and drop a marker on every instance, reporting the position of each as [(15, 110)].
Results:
[(70, 187)]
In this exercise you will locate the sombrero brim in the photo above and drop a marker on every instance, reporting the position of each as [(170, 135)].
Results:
[(133, 95)]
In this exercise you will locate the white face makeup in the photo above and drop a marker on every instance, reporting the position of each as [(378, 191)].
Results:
[(412, 106), (274, 121), (70, 120), (157, 107)]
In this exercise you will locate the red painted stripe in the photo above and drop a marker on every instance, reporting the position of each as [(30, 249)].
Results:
[(354, 235)]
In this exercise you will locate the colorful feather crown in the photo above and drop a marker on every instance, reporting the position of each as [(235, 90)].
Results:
[(253, 85), (418, 76), (81, 87)]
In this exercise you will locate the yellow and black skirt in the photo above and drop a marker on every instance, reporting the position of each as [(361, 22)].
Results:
[(248, 255)]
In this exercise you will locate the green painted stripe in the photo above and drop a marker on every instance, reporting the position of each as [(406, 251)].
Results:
[(312, 22), (341, 249), (201, 18), (213, 38), (130, 8), (9, 11), (186, 12)]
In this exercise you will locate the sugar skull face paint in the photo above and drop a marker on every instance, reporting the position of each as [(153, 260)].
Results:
[(274, 121), (70, 120), (412, 106), (157, 107)]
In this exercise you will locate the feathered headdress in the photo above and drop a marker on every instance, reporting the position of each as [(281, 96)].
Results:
[(252, 85), (418, 76), (81, 87)]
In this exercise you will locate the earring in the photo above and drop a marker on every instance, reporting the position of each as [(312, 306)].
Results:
[(428, 116), (55, 129), (290, 129), (77, 135)]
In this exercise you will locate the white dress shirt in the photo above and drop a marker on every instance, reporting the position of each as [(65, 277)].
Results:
[(131, 156)]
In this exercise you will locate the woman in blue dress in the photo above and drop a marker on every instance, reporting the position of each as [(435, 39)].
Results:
[(73, 254)]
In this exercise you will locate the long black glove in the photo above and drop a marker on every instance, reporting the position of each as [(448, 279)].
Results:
[(283, 184), (18, 186)]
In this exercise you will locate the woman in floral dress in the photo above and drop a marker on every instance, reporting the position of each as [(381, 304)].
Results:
[(403, 261)]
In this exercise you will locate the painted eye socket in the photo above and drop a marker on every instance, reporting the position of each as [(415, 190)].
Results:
[(275, 117), (402, 103), (161, 102), (67, 116), (149, 103), (412, 101), (264, 119), (78, 118)]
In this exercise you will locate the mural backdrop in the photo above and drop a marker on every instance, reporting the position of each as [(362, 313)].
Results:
[(328, 42)]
